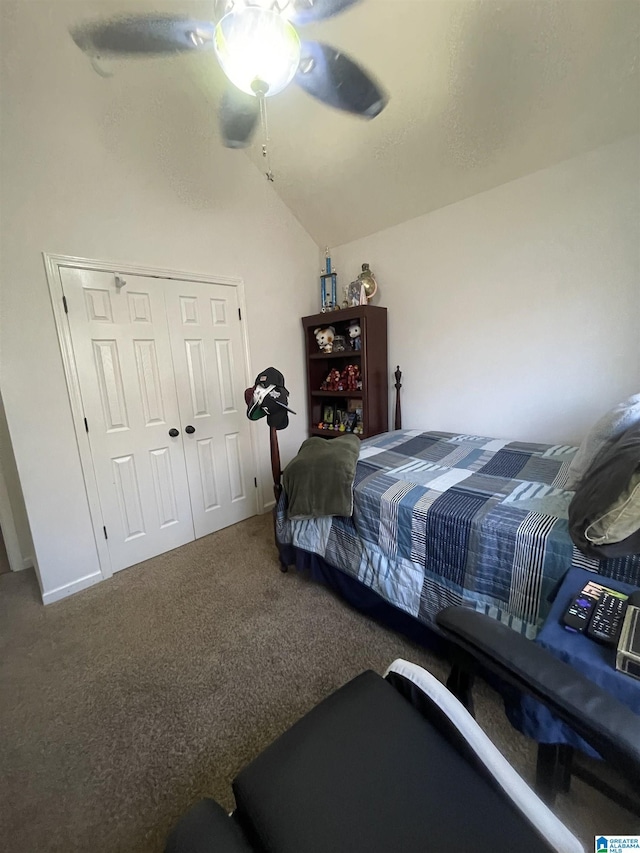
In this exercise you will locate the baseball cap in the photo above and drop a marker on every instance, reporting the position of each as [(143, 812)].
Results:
[(254, 411), (270, 376), (269, 398)]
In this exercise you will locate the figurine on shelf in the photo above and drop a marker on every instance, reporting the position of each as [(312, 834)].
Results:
[(345, 301), (332, 381), (324, 337), (355, 333), (351, 377), (347, 375)]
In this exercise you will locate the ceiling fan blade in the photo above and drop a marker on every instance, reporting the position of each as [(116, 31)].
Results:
[(309, 11), (239, 114), (143, 35), (336, 80)]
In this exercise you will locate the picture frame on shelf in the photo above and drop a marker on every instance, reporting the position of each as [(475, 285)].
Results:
[(328, 413)]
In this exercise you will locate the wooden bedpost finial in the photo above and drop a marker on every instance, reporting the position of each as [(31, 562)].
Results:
[(398, 418)]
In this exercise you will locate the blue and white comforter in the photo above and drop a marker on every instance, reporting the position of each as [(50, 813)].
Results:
[(444, 519)]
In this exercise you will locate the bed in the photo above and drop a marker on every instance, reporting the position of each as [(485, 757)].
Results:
[(442, 518)]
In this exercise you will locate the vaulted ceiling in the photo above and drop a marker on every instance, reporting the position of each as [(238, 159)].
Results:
[(481, 92)]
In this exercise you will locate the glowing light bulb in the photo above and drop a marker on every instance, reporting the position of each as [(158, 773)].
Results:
[(259, 50)]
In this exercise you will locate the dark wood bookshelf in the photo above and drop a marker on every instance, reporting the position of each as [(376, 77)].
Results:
[(371, 359), (355, 395), (352, 353)]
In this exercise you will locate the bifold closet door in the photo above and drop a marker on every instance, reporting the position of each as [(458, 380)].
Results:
[(126, 374), (208, 358)]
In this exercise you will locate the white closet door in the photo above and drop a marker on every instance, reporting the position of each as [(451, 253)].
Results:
[(123, 359), (208, 357)]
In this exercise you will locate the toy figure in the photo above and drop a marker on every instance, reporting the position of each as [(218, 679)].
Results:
[(350, 378), (331, 383), (324, 337), (355, 332)]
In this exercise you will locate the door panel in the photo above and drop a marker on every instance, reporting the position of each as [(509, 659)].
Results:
[(199, 408), (125, 478), (206, 342), (149, 382), (207, 468), (164, 487), (125, 369)]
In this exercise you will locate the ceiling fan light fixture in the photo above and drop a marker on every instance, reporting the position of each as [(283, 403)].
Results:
[(258, 49)]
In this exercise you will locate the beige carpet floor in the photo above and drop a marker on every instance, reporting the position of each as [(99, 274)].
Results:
[(121, 706)]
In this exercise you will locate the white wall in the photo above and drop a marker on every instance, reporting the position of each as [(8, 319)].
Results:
[(127, 169), (516, 313), (15, 500)]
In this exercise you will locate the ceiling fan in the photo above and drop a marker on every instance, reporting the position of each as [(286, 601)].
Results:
[(258, 48)]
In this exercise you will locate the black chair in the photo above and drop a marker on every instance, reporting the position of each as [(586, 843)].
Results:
[(394, 764)]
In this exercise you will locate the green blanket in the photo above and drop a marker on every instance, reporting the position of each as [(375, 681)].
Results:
[(319, 480)]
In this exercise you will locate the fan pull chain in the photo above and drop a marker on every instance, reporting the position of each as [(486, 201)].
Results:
[(265, 133)]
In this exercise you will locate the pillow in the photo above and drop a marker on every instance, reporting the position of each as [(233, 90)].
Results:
[(601, 435), (608, 497), (621, 519)]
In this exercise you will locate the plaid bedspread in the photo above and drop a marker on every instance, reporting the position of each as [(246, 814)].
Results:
[(444, 519)]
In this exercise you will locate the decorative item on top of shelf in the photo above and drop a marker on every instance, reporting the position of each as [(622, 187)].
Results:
[(355, 332), (368, 281), (355, 294), (328, 286), (324, 337)]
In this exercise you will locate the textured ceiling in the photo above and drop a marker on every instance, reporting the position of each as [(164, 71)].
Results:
[(482, 92)]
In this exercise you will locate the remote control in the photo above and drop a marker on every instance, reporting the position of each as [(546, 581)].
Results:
[(607, 617), (578, 613)]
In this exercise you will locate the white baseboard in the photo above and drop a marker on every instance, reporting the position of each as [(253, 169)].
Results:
[(69, 589), (268, 507), (28, 563)]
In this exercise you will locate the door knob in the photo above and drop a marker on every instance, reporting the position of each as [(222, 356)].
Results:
[(189, 429), (174, 433)]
